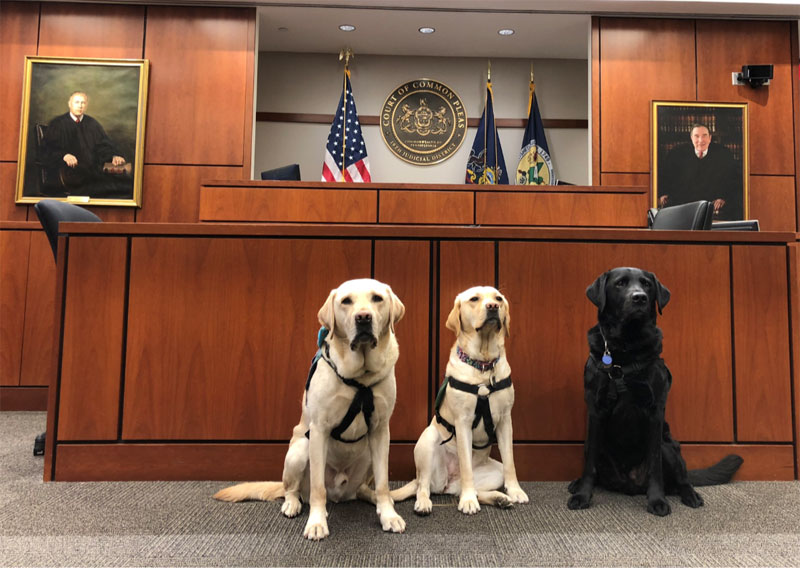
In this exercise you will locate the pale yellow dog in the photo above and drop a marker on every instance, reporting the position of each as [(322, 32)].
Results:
[(473, 410), (342, 440)]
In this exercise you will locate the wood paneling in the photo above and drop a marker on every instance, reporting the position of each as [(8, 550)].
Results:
[(634, 180), (723, 46), (8, 187), (173, 192), (38, 347), (562, 209), (223, 361), (19, 32), (553, 316), (428, 207), (16, 399), (200, 116), (761, 343), (640, 60), (772, 202), (91, 353), (288, 205), (14, 247), (405, 266), (596, 147), (794, 299), (462, 264), (91, 30)]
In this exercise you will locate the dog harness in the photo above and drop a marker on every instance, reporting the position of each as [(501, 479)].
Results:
[(482, 410), (363, 401), (617, 373)]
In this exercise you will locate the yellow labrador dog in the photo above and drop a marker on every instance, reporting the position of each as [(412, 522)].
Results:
[(342, 440), (473, 410)]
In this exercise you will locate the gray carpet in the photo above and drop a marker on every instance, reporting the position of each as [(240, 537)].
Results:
[(178, 524)]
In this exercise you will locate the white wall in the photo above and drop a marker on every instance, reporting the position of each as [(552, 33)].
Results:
[(312, 83)]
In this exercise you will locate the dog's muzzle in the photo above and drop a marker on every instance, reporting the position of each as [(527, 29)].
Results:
[(492, 316), (364, 334)]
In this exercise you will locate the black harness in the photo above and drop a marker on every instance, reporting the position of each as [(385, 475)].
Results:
[(363, 401), (482, 409)]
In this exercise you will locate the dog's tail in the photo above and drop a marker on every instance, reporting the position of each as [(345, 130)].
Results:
[(255, 491), (404, 492), (717, 474)]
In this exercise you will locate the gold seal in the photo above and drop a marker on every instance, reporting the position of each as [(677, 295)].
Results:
[(423, 122)]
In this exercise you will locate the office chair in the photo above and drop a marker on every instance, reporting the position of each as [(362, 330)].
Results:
[(695, 216), (285, 173), (51, 212)]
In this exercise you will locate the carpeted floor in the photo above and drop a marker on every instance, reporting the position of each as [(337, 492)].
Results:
[(179, 524)]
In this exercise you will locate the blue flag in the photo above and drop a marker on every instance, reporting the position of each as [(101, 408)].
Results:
[(535, 166), (486, 164)]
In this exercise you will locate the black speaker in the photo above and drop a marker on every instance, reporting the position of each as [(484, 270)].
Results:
[(756, 75)]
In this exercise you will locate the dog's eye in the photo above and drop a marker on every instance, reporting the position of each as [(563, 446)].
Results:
[(646, 283), (347, 301), (376, 298), (621, 282), (474, 299), (499, 298)]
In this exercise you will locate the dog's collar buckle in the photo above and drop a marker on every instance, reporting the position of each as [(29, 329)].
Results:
[(482, 366)]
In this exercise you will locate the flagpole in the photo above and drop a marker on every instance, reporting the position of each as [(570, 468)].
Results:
[(532, 89), (345, 54), (486, 114)]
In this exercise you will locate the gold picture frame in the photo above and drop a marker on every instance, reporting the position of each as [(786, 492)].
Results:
[(678, 175), (97, 159)]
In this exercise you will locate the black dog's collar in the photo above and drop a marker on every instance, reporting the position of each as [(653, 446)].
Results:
[(482, 366), (617, 373)]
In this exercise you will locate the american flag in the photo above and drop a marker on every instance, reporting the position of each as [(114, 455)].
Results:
[(346, 149)]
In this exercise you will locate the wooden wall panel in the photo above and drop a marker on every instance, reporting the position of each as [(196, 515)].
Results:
[(634, 180), (462, 264), (220, 362), (14, 247), (794, 299), (199, 58), (19, 31), (91, 30), (173, 192), (553, 316), (640, 60), (772, 202), (725, 46), (595, 109), (562, 209), (91, 354), (430, 207), (405, 266), (8, 186), (763, 384), (38, 347)]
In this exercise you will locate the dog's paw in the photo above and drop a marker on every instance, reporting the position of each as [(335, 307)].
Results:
[(291, 506), (659, 507), (423, 506), (691, 498), (574, 485), (517, 495), (468, 504), (316, 527), (504, 502), (392, 522), (579, 501)]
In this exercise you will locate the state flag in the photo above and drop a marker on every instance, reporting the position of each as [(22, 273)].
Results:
[(486, 164), (535, 166)]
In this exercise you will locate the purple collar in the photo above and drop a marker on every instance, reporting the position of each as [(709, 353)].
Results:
[(480, 365)]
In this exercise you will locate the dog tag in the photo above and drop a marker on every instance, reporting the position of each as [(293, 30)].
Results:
[(607, 358)]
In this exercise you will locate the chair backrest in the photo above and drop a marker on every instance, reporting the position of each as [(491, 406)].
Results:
[(287, 173), (695, 216), (51, 212)]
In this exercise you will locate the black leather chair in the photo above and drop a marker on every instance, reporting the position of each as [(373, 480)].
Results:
[(285, 173), (51, 212), (695, 216)]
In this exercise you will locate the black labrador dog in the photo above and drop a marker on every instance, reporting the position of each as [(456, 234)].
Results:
[(628, 445)]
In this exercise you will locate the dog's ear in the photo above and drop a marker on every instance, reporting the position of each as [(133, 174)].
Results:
[(454, 319), (662, 293), (327, 315), (596, 292), (396, 308), (507, 319)]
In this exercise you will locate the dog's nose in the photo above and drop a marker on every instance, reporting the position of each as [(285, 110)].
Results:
[(492, 307), (363, 317), (639, 298)]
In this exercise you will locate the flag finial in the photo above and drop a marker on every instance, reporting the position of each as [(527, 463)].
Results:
[(532, 72), (346, 54), (489, 70)]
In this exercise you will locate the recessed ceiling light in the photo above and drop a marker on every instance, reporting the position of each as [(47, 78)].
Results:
[(427, 30), (347, 28), (505, 32)]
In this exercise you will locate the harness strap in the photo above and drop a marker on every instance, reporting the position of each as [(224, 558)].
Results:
[(482, 409), (617, 374)]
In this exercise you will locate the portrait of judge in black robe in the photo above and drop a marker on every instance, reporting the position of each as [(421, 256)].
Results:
[(702, 169), (79, 158)]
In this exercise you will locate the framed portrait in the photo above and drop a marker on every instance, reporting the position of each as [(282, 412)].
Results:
[(82, 131), (700, 151)]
